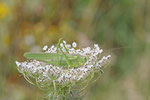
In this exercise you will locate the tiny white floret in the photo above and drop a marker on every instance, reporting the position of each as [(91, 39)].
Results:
[(45, 47), (74, 44)]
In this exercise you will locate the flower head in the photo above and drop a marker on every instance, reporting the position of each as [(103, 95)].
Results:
[(65, 65)]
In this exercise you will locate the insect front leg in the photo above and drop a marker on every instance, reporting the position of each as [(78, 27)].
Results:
[(65, 56)]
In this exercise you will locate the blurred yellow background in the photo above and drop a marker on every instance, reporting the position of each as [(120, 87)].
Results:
[(120, 27)]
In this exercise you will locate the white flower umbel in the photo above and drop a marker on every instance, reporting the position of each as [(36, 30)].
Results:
[(58, 75)]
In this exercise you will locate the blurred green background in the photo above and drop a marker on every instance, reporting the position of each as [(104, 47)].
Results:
[(120, 27)]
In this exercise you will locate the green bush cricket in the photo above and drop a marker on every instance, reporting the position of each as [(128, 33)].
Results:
[(60, 58)]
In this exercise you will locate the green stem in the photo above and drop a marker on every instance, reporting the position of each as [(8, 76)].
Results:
[(64, 93), (63, 98)]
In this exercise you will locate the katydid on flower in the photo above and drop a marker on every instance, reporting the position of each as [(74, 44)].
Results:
[(60, 58)]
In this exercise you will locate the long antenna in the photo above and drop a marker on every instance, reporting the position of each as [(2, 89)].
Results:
[(119, 48)]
